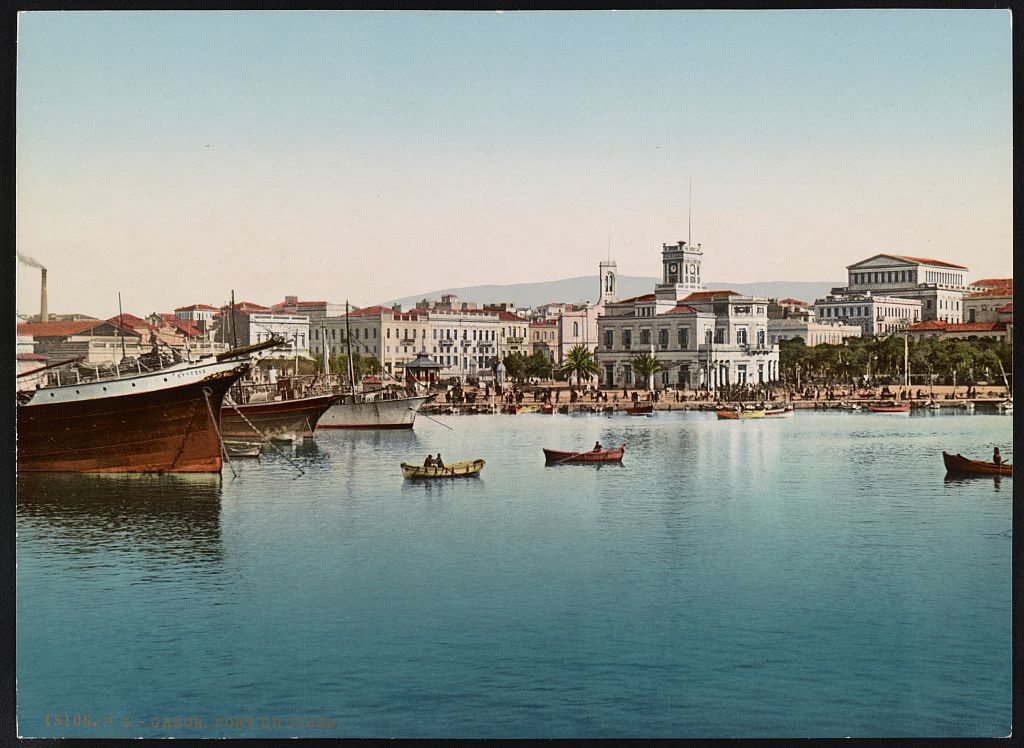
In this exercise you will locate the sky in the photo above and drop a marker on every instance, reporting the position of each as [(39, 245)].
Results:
[(176, 156)]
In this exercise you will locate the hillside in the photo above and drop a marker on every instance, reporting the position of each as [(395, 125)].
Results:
[(585, 288)]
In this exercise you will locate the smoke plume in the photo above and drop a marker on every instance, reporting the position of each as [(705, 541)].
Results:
[(30, 261)]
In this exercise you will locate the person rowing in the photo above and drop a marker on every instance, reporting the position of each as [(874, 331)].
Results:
[(997, 459), (429, 462), (597, 446)]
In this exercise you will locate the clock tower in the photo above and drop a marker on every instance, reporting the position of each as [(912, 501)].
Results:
[(680, 271)]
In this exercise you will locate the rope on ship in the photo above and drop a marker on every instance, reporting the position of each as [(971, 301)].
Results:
[(263, 438), (216, 427)]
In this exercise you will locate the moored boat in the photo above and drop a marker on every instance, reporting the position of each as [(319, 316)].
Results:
[(890, 408), (463, 469), (1006, 406), (241, 448), (779, 412), (639, 410), (397, 413), (729, 414), (164, 420), (547, 408), (556, 457), (963, 466), (297, 416)]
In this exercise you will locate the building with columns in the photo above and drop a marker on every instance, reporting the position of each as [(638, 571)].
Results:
[(702, 338), (882, 281)]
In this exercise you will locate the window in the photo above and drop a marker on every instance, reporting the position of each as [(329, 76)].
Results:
[(575, 329), (627, 374), (645, 337), (683, 334), (627, 339), (608, 340), (741, 336), (720, 335), (663, 339), (760, 339)]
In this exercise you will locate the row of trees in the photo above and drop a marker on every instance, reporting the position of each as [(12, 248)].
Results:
[(579, 364), (361, 364), (930, 359)]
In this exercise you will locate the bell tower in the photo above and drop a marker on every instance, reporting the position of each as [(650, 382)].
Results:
[(680, 270), (606, 275)]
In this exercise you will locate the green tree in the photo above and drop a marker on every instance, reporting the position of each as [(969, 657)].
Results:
[(515, 365), (539, 364), (645, 366), (579, 361)]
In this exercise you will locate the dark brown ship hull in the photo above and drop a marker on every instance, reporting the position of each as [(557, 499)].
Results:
[(298, 417), (169, 430)]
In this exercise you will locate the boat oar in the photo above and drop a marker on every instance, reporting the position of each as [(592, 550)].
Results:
[(433, 419)]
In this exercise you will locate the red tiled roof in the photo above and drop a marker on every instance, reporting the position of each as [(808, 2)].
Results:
[(168, 316), (991, 292), (544, 323), (934, 324), (30, 357), (510, 317), (710, 295), (198, 307), (1006, 308), (57, 329), (185, 326), (793, 301), (928, 261), (994, 282), (371, 311), (243, 305), (645, 297), (681, 309), (129, 320)]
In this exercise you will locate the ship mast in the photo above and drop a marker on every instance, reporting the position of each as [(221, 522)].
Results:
[(348, 344), (120, 325)]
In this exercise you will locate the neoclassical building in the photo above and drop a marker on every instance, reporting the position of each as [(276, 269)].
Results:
[(702, 338)]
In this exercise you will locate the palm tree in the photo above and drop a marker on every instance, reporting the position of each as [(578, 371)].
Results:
[(645, 366), (579, 361)]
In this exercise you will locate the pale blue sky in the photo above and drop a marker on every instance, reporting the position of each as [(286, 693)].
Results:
[(371, 155)]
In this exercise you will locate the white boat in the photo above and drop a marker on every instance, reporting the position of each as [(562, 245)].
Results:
[(1006, 406), (366, 413), (967, 406)]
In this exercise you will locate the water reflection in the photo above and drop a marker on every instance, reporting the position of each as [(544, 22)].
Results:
[(963, 480), (174, 514)]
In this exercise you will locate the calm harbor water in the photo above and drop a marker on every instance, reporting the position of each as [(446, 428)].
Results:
[(809, 576)]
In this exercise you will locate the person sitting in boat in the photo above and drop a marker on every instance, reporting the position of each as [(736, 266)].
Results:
[(429, 462), (997, 459), (438, 462), (597, 446)]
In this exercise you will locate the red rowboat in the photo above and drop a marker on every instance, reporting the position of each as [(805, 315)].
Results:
[(547, 408), (640, 410), (894, 408), (961, 465), (554, 457)]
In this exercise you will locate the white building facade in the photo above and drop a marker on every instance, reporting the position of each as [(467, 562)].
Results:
[(811, 332), (702, 339), (875, 315)]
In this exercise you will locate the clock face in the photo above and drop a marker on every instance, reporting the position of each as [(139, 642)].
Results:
[(672, 267)]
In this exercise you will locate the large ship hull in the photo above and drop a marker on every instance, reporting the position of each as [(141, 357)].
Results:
[(373, 414), (165, 421), (296, 417)]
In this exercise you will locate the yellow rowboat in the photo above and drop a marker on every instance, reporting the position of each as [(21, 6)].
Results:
[(463, 469), (730, 414)]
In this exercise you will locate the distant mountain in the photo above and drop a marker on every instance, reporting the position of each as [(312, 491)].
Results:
[(585, 288)]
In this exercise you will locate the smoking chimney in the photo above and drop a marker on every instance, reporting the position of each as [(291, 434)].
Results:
[(44, 315)]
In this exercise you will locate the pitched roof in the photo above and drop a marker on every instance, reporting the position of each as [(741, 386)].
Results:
[(710, 295), (299, 303), (793, 301), (997, 292), (129, 320), (370, 311), (66, 329), (510, 317), (935, 324), (928, 261), (1006, 308), (994, 282), (198, 307), (244, 305), (644, 297), (680, 309), (30, 357)]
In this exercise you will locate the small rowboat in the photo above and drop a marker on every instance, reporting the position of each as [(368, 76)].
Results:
[(242, 449), (639, 410), (554, 457), (547, 408), (463, 469), (730, 414), (527, 409), (894, 408), (785, 410), (962, 466), (1006, 406)]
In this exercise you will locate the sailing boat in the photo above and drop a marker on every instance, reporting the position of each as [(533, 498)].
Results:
[(1007, 405), (358, 410)]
